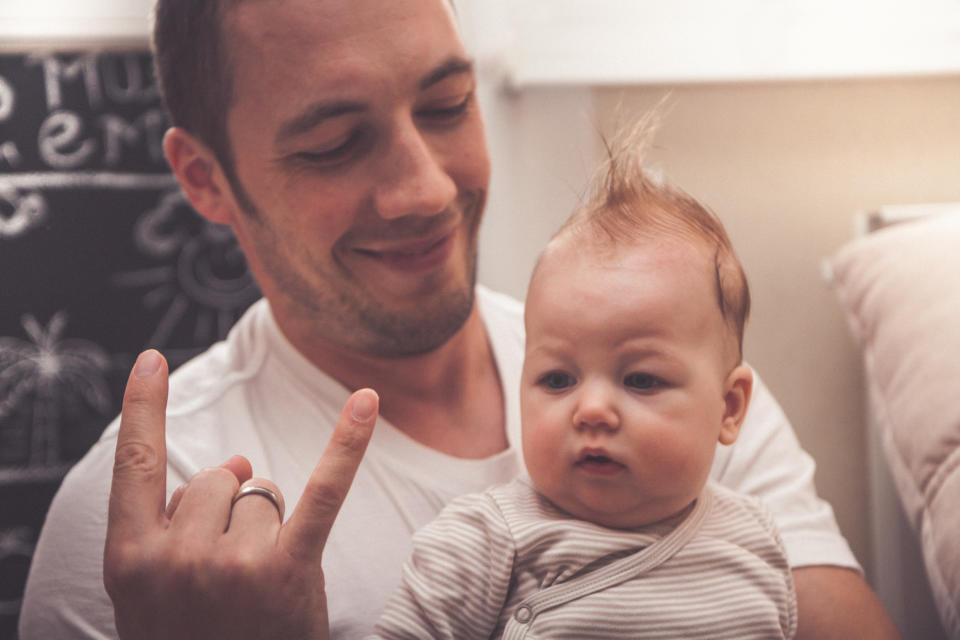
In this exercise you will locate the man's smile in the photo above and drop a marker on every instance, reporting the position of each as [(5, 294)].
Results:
[(414, 255)]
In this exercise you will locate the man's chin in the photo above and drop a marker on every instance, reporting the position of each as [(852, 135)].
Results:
[(418, 331)]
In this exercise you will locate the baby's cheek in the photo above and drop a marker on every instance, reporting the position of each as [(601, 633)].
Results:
[(541, 452), (676, 454)]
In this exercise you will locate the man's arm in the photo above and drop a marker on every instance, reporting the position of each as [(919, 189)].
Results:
[(767, 461), (833, 602)]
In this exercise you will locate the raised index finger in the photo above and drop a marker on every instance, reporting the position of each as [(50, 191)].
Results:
[(306, 531), (138, 493)]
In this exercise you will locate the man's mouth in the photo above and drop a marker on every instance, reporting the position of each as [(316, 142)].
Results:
[(416, 255)]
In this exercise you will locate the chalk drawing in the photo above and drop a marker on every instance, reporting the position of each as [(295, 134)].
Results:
[(43, 373), (10, 154), (208, 277), (57, 71), (8, 99), (20, 212), (87, 179), (14, 543)]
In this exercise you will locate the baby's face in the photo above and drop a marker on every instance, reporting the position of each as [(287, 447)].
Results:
[(626, 383)]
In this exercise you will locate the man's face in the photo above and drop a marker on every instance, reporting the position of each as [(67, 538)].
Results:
[(622, 392), (357, 136)]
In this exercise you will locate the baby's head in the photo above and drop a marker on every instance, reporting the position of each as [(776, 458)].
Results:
[(633, 369)]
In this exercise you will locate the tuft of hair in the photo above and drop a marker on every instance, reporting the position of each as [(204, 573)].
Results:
[(627, 204)]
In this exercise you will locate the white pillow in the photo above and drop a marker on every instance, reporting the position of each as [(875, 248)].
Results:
[(900, 291)]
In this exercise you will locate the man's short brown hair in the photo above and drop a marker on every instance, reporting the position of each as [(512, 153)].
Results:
[(192, 64)]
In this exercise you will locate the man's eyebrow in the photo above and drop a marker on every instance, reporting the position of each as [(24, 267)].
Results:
[(317, 113), (314, 115), (451, 67)]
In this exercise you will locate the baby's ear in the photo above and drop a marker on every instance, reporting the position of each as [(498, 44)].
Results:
[(736, 397)]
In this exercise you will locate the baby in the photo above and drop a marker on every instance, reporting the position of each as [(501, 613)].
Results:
[(633, 374)]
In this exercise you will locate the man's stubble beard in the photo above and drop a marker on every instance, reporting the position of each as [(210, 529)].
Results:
[(350, 317), (393, 335)]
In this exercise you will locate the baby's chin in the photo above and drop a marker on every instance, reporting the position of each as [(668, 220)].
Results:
[(615, 515)]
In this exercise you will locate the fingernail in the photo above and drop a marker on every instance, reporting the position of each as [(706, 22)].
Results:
[(147, 364), (364, 405)]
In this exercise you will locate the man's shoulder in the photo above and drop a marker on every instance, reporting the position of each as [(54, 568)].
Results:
[(224, 365)]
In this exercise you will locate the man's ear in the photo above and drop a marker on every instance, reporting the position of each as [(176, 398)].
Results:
[(200, 176), (737, 389)]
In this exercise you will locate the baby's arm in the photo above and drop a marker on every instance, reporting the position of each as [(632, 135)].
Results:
[(455, 583)]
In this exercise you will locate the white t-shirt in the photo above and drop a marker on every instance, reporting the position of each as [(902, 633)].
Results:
[(256, 395)]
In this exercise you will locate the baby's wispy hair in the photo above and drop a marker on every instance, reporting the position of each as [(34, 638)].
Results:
[(627, 204)]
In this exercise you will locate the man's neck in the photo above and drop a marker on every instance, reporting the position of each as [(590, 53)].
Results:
[(449, 399)]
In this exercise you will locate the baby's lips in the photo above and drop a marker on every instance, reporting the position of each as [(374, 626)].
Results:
[(596, 454)]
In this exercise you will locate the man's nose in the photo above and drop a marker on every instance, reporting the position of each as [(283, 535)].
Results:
[(414, 180), (596, 408)]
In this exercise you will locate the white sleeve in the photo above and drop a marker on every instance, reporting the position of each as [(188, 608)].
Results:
[(455, 583), (64, 596), (767, 461)]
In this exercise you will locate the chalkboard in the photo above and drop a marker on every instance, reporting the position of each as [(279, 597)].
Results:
[(101, 257)]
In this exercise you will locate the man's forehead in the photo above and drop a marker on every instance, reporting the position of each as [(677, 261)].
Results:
[(330, 40), (326, 19)]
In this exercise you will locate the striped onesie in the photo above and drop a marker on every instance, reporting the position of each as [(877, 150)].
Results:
[(506, 563)]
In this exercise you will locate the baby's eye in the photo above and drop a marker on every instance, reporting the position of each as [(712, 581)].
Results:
[(556, 380), (641, 381)]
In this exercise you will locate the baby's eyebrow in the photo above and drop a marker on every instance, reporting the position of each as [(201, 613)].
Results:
[(546, 348)]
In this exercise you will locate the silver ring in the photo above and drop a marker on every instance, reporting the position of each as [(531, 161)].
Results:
[(254, 490)]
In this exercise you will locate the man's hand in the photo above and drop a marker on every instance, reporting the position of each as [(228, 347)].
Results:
[(179, 570)]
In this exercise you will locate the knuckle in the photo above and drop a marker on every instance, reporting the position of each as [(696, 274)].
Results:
[(326, 498), (136, 458), (243, 565), (214, 476), (187, 568), (352, 443), (240, 565)]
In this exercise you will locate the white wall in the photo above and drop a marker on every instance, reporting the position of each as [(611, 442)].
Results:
[(644, 41), (72, 22), (542, 148)]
